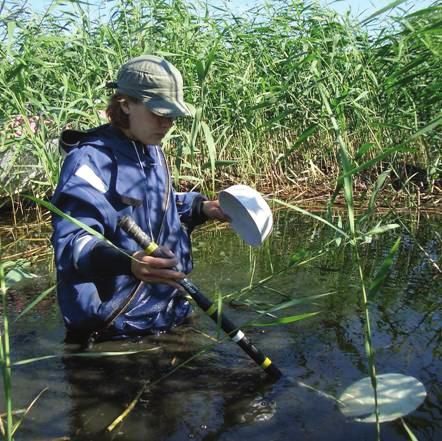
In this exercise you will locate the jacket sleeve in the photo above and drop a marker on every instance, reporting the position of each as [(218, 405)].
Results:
[(80, 255), (189, 206)]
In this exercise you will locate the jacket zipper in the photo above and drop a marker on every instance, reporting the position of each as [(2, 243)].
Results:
[(166, 199), (122, 308)]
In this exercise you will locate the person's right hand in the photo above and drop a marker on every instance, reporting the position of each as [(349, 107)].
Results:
[(151, 269)]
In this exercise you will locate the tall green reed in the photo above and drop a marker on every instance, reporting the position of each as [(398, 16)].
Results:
[(344, 161), (5, 358), (249, 78), (12, 273), (354, 232)]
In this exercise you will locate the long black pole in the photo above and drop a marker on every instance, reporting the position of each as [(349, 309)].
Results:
[(152, 249)]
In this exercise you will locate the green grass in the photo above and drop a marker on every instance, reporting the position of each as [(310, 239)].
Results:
[(255, 81), (288, 95), (5, 357)]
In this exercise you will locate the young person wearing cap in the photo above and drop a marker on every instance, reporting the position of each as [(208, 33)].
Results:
[(120, 169)]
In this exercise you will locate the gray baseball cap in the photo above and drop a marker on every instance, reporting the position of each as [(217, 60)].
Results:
[(154, 81)]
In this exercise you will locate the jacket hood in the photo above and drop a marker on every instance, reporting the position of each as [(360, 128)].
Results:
[(105, 136)]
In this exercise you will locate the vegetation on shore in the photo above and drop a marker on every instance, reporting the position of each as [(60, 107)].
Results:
[(255, 81), (288, 97)]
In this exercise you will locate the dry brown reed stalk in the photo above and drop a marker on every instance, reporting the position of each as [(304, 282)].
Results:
[(42, 253)]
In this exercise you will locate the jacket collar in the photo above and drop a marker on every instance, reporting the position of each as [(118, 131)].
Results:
[(130, 179), (122, 145), (107, 136)]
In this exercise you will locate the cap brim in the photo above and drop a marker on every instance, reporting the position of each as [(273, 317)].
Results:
[(170, 109)]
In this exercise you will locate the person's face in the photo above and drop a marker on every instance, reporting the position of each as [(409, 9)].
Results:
[(145, 126)]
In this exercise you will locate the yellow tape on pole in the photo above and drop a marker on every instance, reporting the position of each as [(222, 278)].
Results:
[(266, 363), (151, 248)]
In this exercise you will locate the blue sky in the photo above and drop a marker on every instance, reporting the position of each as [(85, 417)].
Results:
[(358, 8), (363, 8)]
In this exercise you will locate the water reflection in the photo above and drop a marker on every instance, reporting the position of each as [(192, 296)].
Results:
[(213, 393), (221, 394)]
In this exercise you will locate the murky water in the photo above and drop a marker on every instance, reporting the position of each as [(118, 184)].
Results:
[(221, 394)]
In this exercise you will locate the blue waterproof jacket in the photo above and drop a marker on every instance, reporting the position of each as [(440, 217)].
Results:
[(105, 175)]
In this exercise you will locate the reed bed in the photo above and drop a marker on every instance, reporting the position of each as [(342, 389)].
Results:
[(289, 96), (251, 78)]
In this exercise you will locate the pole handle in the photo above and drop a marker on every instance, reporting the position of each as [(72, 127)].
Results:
[(149, 246), (152, 249)]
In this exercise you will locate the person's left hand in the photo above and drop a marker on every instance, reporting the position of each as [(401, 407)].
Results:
[(213, 210)]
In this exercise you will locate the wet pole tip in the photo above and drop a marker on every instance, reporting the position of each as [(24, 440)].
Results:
[(273, 372)]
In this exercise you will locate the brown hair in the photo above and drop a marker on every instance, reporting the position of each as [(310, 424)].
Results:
[(115, 113)]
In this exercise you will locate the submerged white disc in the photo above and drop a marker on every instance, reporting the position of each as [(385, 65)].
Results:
[(398, 395)]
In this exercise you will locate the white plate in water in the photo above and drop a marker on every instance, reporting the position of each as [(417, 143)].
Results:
[(398, 395)]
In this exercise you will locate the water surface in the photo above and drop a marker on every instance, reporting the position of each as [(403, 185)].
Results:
[(221, 394)]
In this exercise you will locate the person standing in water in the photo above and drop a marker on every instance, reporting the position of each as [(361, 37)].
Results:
[(120, 169)]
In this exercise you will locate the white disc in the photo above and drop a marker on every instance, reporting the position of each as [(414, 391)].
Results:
[(251, 217), (398, 395)]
